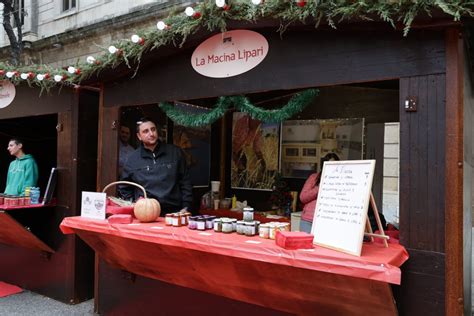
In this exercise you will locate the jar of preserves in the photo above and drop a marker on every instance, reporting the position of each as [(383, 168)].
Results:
[(227, 225), (169, 219), (250, 228), (248, 214), (264, 231), (201, 223), (210, 222), (240, 225), (217, 223), (192, 222)]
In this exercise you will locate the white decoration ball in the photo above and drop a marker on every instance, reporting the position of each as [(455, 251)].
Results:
[(189, 11), (112, 49)]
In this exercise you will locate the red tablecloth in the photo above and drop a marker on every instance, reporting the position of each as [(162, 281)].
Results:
[(376, 262)]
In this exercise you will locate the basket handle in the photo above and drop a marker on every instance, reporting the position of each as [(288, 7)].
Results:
[(126, 182)]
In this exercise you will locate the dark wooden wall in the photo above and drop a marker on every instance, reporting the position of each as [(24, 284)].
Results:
[(315, 59), (297, 60), (66, 275), (422, 207)]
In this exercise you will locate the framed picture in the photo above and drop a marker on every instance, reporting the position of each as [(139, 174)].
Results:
[(305, 143), (255, 152)]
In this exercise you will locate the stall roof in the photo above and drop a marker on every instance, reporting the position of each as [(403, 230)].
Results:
[(180, 31)]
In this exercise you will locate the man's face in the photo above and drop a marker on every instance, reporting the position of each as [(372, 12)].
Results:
[(14, 148), (148, 134), (124, 134)]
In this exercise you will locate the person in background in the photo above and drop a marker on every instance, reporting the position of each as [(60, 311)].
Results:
[(125, 149), (22, 172), (309, 195), (160, 168)]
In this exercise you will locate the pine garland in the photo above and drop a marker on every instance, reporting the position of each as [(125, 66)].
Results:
[(295, 105), (213, 18)]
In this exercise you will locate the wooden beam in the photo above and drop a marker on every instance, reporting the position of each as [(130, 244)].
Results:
[(454, 174)]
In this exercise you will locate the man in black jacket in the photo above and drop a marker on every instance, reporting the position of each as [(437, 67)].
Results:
[(160, 168)]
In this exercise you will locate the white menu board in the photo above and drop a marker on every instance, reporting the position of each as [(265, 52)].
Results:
[(341, 208)]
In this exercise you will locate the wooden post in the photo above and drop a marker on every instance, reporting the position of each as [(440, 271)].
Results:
[(454, 174)]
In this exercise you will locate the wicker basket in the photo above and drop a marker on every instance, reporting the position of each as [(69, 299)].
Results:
[(121, 209)]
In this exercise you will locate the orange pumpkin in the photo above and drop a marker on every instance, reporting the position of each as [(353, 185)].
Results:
[(147, 210)]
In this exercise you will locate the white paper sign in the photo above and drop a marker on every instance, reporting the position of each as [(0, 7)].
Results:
[(93, 205), (341, 208)]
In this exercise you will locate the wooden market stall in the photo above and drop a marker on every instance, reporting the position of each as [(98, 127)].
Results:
[(59, 130), (366, 70)]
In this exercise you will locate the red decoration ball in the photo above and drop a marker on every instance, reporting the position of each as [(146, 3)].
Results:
[(196, 15), (226, 7), (2, 72), (301, 3)]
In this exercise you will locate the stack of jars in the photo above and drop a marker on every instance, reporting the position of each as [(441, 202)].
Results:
[(202, 222), (268, 230), (177, 219)]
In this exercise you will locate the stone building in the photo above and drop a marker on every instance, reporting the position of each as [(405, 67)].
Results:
[(61, 32)]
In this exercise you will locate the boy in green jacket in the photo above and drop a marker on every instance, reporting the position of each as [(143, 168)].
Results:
[(22, 172)]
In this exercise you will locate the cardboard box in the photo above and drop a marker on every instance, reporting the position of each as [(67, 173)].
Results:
[(294, 240)]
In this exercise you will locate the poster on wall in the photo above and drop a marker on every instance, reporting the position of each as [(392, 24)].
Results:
[(196, 145), (305, 144), (255, 147)]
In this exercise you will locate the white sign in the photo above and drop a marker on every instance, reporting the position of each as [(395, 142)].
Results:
[(7, 93), (229, 54), (341, 208), (93, 205)]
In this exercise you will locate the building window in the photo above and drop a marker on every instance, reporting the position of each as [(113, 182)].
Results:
[(69, 5), (19, 5)]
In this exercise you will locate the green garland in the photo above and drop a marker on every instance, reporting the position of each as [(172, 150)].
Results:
[(295, 105), (212, 18)]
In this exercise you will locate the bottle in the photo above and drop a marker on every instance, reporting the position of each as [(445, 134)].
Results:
[(234, 201)]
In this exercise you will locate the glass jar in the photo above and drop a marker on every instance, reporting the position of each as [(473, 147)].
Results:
[(240, 227), (169, 219), (272, 231), (192, 222), (210, 222), (201, 223), (248, 214), (250, 228), (234, 224), (227, 226), (264, 231), (176, 220), (217, 222)]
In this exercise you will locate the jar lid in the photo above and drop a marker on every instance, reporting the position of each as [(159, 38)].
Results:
[(248, 209), (250, 223)]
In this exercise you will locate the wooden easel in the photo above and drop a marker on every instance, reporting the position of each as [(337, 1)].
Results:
[(368, 228)]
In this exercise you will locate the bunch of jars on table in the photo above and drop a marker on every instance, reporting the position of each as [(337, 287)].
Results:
[(226, 225), (31, 196)]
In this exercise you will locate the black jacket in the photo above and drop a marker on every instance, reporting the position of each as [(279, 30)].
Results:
[(164, 175)]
